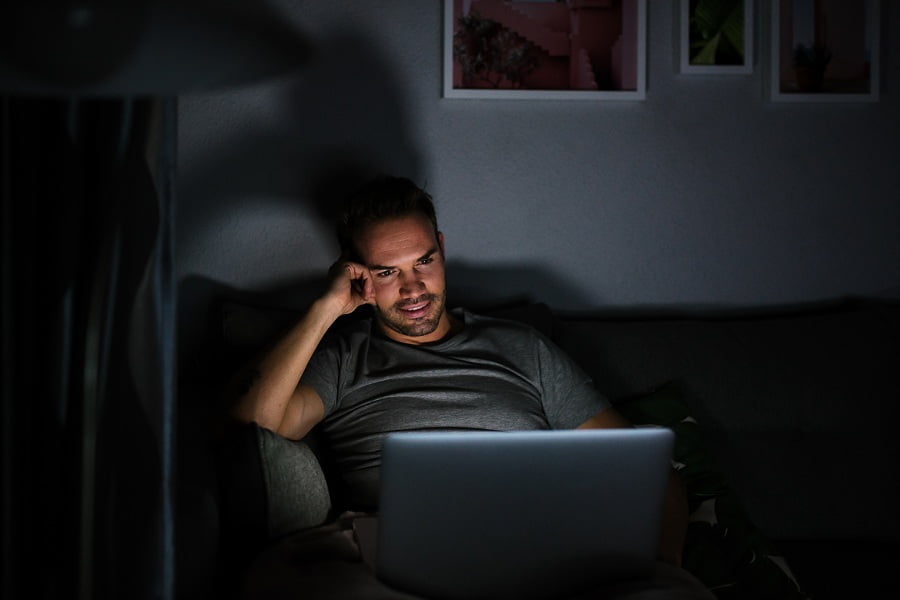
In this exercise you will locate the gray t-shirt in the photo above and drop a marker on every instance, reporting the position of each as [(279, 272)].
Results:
[(493, 374)]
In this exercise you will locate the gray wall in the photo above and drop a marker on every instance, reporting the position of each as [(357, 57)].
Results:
[(704, 194)]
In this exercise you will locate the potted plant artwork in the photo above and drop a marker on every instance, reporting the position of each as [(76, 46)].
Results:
[(810, 63)]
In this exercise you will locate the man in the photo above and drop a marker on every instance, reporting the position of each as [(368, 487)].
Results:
[(415, 364)]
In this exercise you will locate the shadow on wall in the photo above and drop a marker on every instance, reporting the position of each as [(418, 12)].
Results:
[(311, 140), (494, 284), (319, 135)]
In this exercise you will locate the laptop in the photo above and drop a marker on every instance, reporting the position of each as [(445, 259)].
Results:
[(519, 515)]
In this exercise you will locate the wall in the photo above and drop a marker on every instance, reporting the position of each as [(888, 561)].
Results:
[(704, 194)]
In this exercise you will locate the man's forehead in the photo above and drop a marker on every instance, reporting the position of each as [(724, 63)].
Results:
[(406, 237)]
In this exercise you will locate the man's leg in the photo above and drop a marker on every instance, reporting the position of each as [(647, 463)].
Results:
[(666, 582), (324, 563)]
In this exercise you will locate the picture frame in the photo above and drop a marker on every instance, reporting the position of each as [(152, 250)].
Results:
[(825, 51), (528, 44), (716, 37)]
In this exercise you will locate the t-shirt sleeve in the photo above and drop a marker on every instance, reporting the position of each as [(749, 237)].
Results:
[(323, 371), (568, 394)]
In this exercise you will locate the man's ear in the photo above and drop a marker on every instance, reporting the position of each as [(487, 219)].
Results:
[(440, 236)]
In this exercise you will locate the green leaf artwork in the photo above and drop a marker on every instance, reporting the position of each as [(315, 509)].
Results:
[(717, 32)]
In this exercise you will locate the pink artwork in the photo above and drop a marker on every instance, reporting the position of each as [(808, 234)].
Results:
[(557, 47)]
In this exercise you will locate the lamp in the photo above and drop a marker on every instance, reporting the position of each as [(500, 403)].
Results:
[(140, 47)]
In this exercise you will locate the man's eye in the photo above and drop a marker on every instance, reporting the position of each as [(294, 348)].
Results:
[(427, 261), (384, 274)]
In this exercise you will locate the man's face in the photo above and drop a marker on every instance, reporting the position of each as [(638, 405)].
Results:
[(406, 266)]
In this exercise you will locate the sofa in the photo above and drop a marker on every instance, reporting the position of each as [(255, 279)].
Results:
[(784, 419)]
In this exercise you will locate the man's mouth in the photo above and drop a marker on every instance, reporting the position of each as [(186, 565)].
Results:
[(416, 309)]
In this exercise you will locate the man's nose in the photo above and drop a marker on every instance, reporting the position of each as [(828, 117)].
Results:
[(411, 283)]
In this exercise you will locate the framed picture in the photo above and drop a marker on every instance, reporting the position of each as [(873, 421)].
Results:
[(545, 49), (825, 51), (716, 36)]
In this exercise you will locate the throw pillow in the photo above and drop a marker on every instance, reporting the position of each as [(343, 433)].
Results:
[(269, 486), (723, 548)]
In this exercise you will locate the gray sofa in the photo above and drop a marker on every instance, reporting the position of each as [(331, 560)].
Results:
[(795, 408)]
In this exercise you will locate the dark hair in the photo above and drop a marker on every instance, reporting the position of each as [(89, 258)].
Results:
[(383, 198)]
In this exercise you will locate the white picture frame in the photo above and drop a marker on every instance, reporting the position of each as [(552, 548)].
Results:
[(717, 53), (627, 56), (849, 46)]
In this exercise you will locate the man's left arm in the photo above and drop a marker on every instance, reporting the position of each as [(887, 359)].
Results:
[(675, 511)]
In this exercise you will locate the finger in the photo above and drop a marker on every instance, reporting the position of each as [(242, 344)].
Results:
[(355, 270)]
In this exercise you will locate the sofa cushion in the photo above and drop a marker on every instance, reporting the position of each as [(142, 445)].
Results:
[(269, 487), (723, 548), (296, 489)]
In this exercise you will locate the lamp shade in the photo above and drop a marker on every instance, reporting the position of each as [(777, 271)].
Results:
[(137, 47)]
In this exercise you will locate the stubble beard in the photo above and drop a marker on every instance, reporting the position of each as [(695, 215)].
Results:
[(395, 319)]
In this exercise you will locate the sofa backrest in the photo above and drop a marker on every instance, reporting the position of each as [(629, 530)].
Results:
[(799, 407)]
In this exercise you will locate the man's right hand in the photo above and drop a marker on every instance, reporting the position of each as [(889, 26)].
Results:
[(350, 286)]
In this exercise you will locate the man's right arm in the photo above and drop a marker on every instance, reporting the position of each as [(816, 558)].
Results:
[(269, 392)]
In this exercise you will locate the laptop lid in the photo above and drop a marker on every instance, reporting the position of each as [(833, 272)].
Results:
[(531, 514)]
